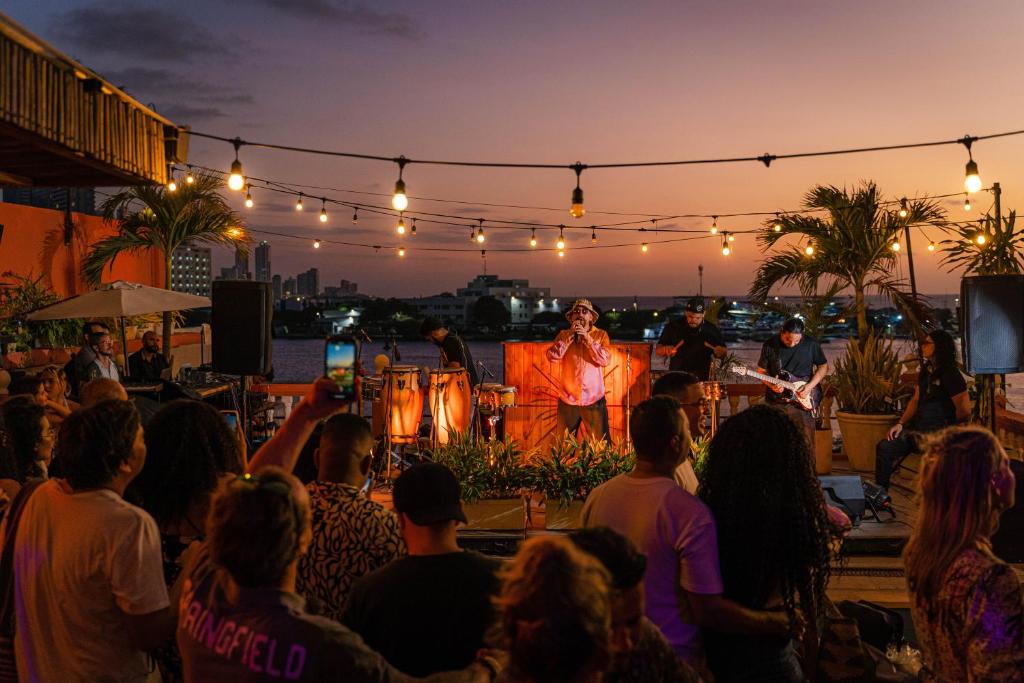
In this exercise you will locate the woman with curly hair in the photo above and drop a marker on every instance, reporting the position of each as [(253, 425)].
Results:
[(31, 439), (555, 612), (966, 603), (773, 539)]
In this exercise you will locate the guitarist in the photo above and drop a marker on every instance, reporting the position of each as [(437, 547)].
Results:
[(792, 356), (690, 343)]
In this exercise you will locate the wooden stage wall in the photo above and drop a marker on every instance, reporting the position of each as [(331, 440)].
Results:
[(527, 368)]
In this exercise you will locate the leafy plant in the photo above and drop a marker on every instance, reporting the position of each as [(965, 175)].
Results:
[(572, 468), (21, 295), (1001, 254), (699, 449), (485, 469), (867, 378)]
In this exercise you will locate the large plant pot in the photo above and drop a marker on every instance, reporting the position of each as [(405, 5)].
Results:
[(558, 517), (60, 356), (861, 433), (502, 514), (823, 451), (39, 357)]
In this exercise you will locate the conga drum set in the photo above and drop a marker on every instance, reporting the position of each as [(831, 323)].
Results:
[(493, 401)]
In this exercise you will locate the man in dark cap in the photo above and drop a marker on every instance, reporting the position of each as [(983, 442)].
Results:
[(689, 344), (426, 612), (454, 352)]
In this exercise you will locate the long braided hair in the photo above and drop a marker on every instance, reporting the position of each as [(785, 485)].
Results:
[(773, 531)]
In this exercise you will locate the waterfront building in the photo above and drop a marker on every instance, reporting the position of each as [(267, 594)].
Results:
[(191, 269)]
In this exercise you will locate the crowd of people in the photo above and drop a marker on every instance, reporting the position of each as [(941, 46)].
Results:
[(134, 551)]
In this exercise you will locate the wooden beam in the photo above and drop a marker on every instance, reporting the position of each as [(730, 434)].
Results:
[(14, 180)]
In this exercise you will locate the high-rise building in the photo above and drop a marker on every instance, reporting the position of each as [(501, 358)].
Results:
[(347, 287), (263, 262), (242, 265), (83, 199), (308, 283), (277, 287), (191, 270), (289, 288)]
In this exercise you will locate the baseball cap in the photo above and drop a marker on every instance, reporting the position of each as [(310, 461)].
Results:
[(695, 305), (428, 493)]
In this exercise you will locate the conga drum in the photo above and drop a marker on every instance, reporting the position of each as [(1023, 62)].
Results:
[(489, 399), (402, 401), (450, 402)]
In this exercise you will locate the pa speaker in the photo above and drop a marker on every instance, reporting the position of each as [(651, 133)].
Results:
[(992, 323), (845, 493), (242, 311)]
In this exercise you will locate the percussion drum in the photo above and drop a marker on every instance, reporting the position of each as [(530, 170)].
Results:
[(402, 397), (450, 402), (489, 399)]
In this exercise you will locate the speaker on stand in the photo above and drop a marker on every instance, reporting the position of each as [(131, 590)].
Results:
[(242, 343)]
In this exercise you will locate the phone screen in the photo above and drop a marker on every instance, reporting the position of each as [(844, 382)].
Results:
[(340, 366), (232, 419)]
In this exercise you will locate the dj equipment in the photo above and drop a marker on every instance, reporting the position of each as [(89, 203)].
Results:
[(993, 323), (242, 311), (451, 402)]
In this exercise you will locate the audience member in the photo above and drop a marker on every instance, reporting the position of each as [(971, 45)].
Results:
[(31, 438), (429, 611), (77, 368), (103, 365), (967, 605), (101, 389), (57, 391), (147, 364), (773, 540), (240, 619), (685, 388), (30, 386), (9, 485), (352, 535), (554, 612), (89, 596), (676, 532), (640, 653)]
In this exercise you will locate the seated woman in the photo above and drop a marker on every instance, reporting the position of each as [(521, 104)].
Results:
[(33, 387), (57, 389), (31, 439), (773, 541), (966, 603), (939, 400)]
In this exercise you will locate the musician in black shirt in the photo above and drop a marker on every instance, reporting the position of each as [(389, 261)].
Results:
[(454, 352), (791, 355), (691, 343), (940, 400)]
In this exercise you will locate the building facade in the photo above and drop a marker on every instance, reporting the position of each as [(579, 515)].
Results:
[(522, 301), (242, 265), (308, 283), (83, 199), (263, 271), (191, 270), (278, 288)]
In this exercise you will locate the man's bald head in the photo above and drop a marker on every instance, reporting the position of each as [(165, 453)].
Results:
[(345, 446), (102, 389)]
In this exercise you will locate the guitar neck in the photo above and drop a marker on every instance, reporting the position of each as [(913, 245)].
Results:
[(771, 380)]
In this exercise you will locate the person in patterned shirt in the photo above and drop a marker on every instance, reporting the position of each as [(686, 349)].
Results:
[(352, 535)]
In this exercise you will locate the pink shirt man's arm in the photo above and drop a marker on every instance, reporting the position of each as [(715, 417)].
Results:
[(598, 349), (562, 342)]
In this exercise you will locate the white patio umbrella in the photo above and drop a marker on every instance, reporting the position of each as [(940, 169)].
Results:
[(120, 299)]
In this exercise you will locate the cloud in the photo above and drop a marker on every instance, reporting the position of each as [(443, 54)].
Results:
[(127, 30), (350, 14), (176, 96)]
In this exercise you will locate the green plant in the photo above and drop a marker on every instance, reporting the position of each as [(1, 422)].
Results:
[(485, 469), (572, 468), (851, 241), (699, 448), (867, 378), (21, 295)]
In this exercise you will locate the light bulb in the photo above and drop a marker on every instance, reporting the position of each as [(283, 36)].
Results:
[(732, 238), (412, 230), (235, 233), (533, 237), (400, 228), (931, 246), (189, 178), (972, 181), (777, 227), (714, 226), (809, 250), (980, 239), (400, 202), (355, 215), (316, 244), (298, 203), (323, 215), (903, 208), (480, 237), (967, 203), (895, 246), (643, 247), (401, 251), (236, 181), (172, 185), (726, 250), (560, 244), (593, 236), (472, 234), (248, 198), (577, 210), (561, 254)]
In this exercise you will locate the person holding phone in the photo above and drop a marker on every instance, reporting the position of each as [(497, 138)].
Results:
[(340, 353)]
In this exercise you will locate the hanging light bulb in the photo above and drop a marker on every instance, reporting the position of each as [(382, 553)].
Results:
[(561, 253), (560, 244), (400, 228), (355, 215), (972, 181), (172, 184), (593, 235), (725, 244), (895, 245), (714, 225), (316, 244), (412, 230), (400, 201), (323, 210), (533, 237), (235, 233), (809, 250), (248, 197), (577, 210), (732, 237), (472, 234), (189, 178), (903, 212), (643, 247), (777, 227), (931, 246), (298, 203), (980, 238), (967, 202), (401, 251), (480, 237), (236, 181)]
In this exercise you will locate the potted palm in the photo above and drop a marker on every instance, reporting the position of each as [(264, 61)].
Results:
[(570, 470), (492, 476), (867, 388)]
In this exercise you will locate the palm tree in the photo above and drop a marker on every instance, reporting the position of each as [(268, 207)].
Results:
[(852, 240), (152, 217)]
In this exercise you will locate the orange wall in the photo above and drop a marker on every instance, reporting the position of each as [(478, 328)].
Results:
[(33, 245)]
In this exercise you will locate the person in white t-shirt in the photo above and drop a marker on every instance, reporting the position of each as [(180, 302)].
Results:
[(90, 598), (677, 533)]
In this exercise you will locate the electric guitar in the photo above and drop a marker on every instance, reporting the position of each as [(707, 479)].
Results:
[(789, 385)]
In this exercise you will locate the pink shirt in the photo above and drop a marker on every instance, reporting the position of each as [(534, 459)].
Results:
[(581, 366)]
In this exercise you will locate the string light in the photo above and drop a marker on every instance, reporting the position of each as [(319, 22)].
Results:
[(895, 245), (931, 246), (235, 233), (726, 250), (593, 235), (236, 181), (980, 238), (400, 228), (401, 251), (967, 202), (533, 237), (643, 247), (298, 203), (355, 215), (189, 178), (576, 210), (412, 230), (472, 234), (248, 197), (732, 237), (972, 181), (560, 244), (172, 184), (561, 253), (778, 224), (903, 208), (714, 225), (480, 237), (323, 210), (316, 244), (400, 201), (809, 250)]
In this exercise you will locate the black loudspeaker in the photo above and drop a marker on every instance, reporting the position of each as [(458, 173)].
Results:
[(992, 320), (845, 493), (242, 311)]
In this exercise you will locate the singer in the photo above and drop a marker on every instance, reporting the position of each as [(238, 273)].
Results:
[(582, 352), (454, 352)]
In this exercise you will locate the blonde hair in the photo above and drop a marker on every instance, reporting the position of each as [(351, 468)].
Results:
[(554, 612), (958, 507)]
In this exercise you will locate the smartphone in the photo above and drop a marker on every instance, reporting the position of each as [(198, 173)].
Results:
[(231, 418), (340, 353)]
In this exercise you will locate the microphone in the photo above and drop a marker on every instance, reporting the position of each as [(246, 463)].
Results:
[(365, 336), (487, 373)]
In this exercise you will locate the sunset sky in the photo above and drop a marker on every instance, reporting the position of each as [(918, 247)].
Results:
[(557, 82)]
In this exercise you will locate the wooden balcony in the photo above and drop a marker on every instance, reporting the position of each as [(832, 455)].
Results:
[(62, 125)]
